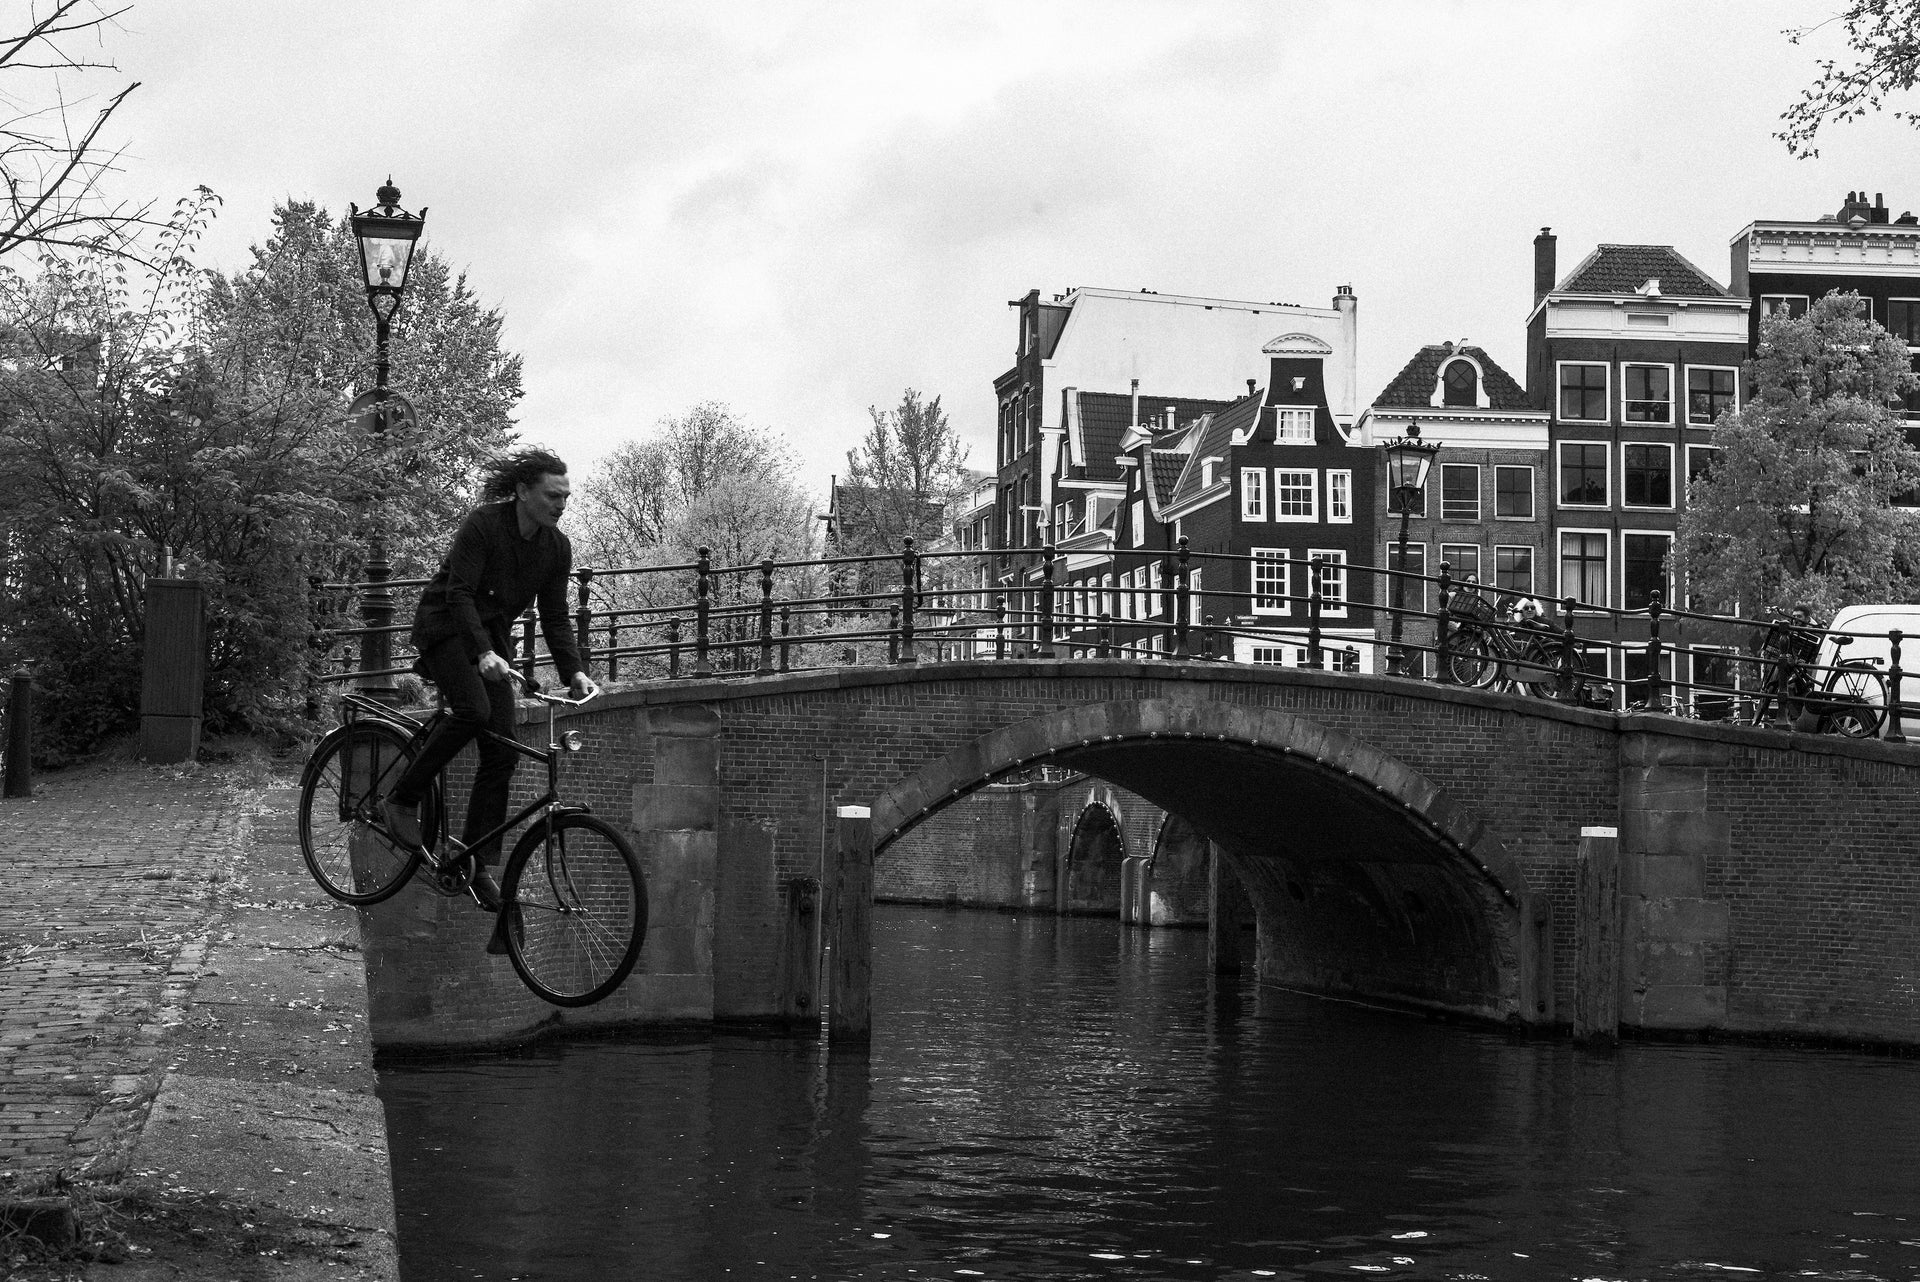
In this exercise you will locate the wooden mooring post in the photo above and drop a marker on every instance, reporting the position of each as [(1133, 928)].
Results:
[(849, 1010), (1596, 937)]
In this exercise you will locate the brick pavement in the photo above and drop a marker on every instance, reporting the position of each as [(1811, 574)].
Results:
[(111, 876)]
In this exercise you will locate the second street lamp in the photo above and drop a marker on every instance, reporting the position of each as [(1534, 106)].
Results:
[(387, 235), (1407, 462)]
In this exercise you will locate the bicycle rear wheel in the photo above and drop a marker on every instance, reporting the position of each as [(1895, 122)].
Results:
[(342, 835), (1865, 707), (1469, 661), (576, 906)]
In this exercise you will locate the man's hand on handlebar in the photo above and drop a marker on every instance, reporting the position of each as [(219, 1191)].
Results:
[(584, 687), (495, 668)]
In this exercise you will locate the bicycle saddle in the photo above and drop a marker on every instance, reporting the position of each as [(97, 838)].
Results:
[(1840, 641)]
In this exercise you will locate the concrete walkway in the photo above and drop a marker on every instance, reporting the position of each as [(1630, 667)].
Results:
[(187, 1087)]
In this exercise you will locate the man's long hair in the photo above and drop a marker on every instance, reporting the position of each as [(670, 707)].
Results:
[(519, 467)]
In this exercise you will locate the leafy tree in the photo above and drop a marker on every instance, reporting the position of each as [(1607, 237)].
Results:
[(1884, 36), (901, 477), (1797, 508)]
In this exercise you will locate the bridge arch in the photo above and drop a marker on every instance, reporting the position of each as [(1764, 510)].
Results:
[(1333, 839), (1096, 856)]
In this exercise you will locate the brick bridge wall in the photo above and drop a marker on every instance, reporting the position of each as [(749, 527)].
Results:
[(1399, 841)]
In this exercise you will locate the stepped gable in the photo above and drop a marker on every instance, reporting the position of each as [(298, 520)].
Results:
[(1105, 417), (1625, 269), (1412, 387)]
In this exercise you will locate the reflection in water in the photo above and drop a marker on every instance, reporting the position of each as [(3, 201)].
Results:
[(1051, 1098)]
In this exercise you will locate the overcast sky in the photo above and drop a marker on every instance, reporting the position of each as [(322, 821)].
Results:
[(801, 209)]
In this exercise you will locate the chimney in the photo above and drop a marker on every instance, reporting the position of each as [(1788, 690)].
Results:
[(1346, 358), (1878, 214), (1169, 418), (1543, 264), (1133, 419), (1250, 387)]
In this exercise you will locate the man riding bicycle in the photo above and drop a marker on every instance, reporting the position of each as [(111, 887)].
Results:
[(508, 553)]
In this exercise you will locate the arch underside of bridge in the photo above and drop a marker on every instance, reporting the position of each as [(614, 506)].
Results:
[(1366, 880)]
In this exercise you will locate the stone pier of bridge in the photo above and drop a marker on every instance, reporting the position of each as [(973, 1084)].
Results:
[(1485, 856)]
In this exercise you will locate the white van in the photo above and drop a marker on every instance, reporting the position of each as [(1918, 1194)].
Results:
[(1869, 625)]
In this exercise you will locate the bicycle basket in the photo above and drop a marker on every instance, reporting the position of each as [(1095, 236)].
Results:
[(1468, 604), (1785, 640)]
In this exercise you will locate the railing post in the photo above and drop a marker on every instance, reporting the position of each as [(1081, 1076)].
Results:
[(1047, 571), (1105, 635), (766, 616), (1444, 669), (786, 630), (613, 649), (1656, 701), (1569, 649), (1000, 626), (1206, 637), (909, 573), (1182, 602), (583, 618), (1314, 606), (527, 663), (673, 647), (893, 633), (702, 608), (20, 735)]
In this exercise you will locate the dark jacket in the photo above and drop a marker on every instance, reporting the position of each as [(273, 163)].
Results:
[(487, 581)]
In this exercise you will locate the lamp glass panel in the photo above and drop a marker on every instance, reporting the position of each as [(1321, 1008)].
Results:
[(387, 258)]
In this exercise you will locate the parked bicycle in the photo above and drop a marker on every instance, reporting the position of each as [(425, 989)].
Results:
[(1849, 698), (1508, 646), (573, 901)]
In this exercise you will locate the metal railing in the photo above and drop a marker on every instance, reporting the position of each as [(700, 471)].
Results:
[(698, 619)]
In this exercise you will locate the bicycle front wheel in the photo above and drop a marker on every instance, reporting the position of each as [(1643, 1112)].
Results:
[(342, 834), (576, 908), (1468, 661)]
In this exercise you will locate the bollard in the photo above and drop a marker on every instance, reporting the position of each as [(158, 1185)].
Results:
[(20, 736)]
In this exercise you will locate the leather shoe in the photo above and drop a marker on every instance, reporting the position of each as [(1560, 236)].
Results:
[(508, 920), (485, 890), (403, 822)]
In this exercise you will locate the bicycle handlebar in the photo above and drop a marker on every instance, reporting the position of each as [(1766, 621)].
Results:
[(532, 686)]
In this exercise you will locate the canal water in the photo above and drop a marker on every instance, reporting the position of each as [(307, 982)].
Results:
[(1050, 1098)]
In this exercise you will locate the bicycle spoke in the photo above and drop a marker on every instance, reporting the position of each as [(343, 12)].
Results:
[(582, 911)]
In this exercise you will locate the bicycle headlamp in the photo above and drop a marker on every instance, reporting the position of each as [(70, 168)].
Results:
[(572, 741)]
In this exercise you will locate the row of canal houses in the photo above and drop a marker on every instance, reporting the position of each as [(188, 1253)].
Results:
[(1130, 420)]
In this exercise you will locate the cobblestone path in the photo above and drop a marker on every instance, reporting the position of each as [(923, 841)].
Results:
[(108, 878)]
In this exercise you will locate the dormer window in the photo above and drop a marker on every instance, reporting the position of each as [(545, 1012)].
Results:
[(1460, 384)]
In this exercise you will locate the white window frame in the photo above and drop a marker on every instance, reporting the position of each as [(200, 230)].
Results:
[(1559, 470), (1646, 422), (1533, 568), (1335, 571), (1339, 496), (1560, 567), (1453, 569), (1668, 506), (1155, 605), (1107, 598), (1286, 425), (1718, 369), (1805, 302), (1533, 496), (1667, 588), (1311, 488), (1139, 522), (1268, 656), (1477, 504), (1606, 391), (1270, 556), (1253, 493), (1695, 694)]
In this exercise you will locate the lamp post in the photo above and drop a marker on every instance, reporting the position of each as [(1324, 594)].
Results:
[(1407, 462), (387, 235)]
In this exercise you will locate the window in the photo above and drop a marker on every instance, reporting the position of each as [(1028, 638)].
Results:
[(1646, 475), (1710, 393), (1583, 566), (1648, 390), (1155, 601), (1513, 493), (1637, 689), (1253, 493), (1414, 500), (1782, 306), (1413, 591), (1583, 393), (1270, 656), (1332, 580), (1339, 496), (1513, 570), (1108, 605), (1459, 491), (1295, 495), (1718, 672), (1583, 474), (1903, 320), (1700, 461), (1270, 581), (1460, 384), (1140, 523), (1293, 426), (1462, 561), (1643, 564)]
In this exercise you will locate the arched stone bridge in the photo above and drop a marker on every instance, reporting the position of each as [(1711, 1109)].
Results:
[(1399, 841)]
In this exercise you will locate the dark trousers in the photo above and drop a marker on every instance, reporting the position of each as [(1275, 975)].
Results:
[(473, 705)]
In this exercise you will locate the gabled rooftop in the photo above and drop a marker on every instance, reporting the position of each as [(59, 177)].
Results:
[(1628, 269), (1213, 438), (1412, 387), (1105, 417)]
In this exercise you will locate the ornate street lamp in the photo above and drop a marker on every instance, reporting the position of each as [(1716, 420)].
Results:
[(387, 235), (1407, 462)]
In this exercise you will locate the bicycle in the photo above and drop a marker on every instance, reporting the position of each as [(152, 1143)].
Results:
[(573, 901), (1851, 700), (1513, 654)]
